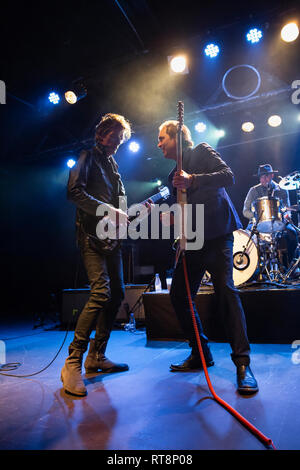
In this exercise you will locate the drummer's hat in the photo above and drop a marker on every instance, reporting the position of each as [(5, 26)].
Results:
[(265, 170)]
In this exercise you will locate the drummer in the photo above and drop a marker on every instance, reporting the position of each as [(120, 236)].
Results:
[(268, 187)]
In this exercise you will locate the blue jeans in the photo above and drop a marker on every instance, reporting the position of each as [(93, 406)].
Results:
[(216, 258), (105, 274)]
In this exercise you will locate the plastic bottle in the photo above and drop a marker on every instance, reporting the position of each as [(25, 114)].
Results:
[(157, 283), (132, 324)]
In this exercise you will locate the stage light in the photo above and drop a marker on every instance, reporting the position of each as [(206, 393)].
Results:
[(70, 96), (76, 92), (220, 133), (290, 32), (71, 163), (247, 126), (54, 98), (200, 127), (254, 35), (178, 64), (134, 146), (158, 182), (212, 50), (274, 121)]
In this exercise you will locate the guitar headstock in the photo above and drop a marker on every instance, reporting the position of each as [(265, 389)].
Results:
[(180, 108), (164, 192)]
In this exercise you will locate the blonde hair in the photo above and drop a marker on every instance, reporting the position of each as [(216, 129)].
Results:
[(171, 129), (111, 121)]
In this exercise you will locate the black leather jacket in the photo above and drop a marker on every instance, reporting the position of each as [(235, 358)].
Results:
[(94, 180)]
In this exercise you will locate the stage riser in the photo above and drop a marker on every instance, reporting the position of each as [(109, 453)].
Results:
[(273, 316)]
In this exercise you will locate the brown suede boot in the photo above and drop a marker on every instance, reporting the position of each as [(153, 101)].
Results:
[(71, 374), (96, 360)]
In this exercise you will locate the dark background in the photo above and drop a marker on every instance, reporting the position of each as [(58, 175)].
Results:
[(120, 49)]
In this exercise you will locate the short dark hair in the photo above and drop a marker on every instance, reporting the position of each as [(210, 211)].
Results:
[(171, 130), (111, 121)]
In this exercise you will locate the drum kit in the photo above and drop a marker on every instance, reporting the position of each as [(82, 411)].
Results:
[(257, 254)]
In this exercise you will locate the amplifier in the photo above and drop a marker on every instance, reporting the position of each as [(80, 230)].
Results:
[(73, 301)]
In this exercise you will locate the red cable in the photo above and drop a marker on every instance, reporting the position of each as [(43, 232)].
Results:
[(267, 441)]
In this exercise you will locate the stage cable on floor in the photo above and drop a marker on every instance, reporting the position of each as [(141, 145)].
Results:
[(267, 441), (15, 365)]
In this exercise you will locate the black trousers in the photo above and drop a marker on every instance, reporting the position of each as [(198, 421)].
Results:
[(105, 274), (216, 258)]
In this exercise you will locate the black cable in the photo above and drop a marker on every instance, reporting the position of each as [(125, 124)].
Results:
[(15, 365)]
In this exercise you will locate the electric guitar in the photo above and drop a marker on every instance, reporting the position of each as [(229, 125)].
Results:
[(108, 245)]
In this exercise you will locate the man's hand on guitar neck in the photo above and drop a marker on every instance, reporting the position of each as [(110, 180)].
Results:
[(182, 180)]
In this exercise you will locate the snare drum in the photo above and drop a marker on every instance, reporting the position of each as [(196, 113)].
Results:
[(244, 263), (268, 214)]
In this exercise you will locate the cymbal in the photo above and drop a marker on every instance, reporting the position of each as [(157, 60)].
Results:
[(291, 181)]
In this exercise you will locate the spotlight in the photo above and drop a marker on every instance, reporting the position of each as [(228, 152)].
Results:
[(76, 93), (158, 182), (290, 32), (220, 133), (134, 146), (71, 163), (212, 50), (54, 98), (247, 126), (274, 121), (178, 64), (200, 127), (254, 35)]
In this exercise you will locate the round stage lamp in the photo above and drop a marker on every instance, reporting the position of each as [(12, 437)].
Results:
[(178, 64), (134, 146), (254, 35), (211, 50), (71, 162), (76, 92), (274, 121), (220, 133), (54, 98), (200, 127), (248, 126), (71, 97), (290, 32)]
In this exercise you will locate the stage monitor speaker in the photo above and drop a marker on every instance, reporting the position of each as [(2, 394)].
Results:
[(73, 301)]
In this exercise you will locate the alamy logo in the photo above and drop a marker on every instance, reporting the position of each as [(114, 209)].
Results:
[(2, 92), (2, 352), (187, 222), (296, 354), (296, 93)]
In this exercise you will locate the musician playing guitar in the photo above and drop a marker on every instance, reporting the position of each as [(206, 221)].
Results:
[(203, 177), (93, 182)]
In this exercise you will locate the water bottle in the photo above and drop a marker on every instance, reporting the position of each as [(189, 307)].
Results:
[(157, 283), (132, 325)]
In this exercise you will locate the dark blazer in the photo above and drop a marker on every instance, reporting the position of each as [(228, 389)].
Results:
[(211, 176)]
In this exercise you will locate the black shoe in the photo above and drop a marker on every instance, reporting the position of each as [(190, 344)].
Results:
[(191, 363), (246, 383)]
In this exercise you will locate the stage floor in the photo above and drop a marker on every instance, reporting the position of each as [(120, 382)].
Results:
[(147, 407)]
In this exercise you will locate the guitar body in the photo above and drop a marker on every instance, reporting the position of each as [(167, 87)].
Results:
[(107, 246)]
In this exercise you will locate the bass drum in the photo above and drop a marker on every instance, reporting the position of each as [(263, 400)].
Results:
[(244, 263)]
